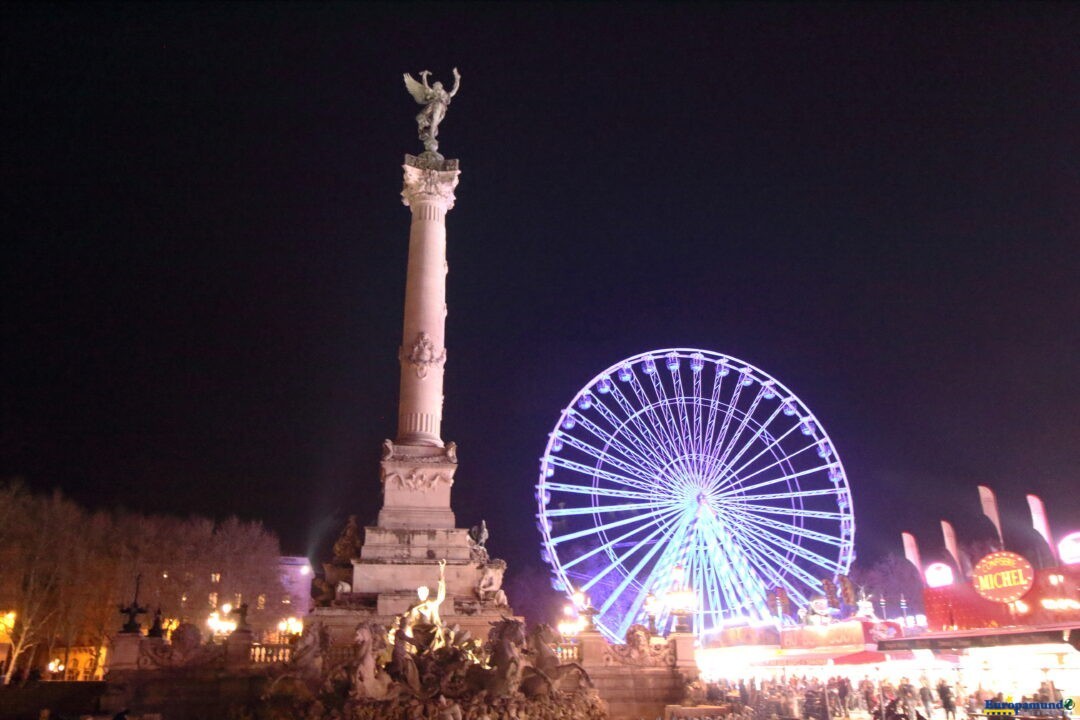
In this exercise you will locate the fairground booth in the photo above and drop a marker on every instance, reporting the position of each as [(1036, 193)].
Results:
[(1010, 621)]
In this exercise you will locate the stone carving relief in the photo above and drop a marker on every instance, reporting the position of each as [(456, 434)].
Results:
[(443, 455), (185, 650), (639, 650), (424, 355), (428, 184), (419, 480)]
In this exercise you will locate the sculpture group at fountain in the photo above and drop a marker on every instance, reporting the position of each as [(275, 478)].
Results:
[(422, 666)]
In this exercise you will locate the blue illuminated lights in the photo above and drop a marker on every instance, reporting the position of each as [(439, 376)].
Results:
[(679, 470)]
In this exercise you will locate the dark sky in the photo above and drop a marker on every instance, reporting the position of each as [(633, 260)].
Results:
[(204, 248)]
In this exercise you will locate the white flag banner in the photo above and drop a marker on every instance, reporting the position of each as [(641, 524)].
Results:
[(950, 543), (990, 510), (1039, 522), (911, 551)]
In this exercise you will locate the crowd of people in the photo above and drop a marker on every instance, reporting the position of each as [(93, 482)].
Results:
[(838, 697)]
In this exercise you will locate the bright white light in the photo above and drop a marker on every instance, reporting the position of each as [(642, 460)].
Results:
[(939, 575), (1060, 604), (1069, 548), (306, 570), (219, 626)]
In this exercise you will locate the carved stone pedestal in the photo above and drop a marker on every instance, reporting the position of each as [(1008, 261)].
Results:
[(238, 649), (416, 481), (123, 652), (685, 660)]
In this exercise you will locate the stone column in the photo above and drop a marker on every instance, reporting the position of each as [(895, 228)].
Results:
[(429, 192)]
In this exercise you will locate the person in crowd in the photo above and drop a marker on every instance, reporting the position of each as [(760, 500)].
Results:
[(945, 694), (927, 698)]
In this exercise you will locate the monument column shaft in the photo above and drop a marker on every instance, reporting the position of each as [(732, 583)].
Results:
[(420, 405), (429, 194)]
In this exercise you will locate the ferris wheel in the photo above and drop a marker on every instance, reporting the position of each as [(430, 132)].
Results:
[(687, 472)]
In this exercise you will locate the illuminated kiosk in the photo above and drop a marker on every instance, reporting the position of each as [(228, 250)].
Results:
[(1006, 620), (416, 527)]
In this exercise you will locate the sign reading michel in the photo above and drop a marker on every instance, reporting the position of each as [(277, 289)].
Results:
[(1003, 577)]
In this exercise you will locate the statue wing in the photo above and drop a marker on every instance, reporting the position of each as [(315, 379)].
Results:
[(416, 89)]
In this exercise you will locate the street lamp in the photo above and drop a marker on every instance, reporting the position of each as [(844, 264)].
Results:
[(682, 601), (652, 609), (572, 623)]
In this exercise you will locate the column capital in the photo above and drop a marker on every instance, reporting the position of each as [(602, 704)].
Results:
[(429, 179)]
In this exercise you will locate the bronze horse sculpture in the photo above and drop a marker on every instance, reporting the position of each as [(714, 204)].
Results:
[(547, 670), (504, 643)]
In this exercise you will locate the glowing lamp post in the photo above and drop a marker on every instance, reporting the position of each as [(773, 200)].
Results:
[(290, 628), (652, 609), (682, 601), (572, 623)]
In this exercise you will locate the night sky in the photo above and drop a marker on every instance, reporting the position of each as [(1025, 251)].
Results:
[(203, 257)]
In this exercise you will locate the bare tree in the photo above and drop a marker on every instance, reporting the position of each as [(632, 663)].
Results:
[(46, 526)]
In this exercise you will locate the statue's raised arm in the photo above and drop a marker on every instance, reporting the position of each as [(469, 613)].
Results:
[(435, 100), (457, 83)]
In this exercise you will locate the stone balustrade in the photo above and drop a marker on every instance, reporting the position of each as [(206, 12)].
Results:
[(265, 654)]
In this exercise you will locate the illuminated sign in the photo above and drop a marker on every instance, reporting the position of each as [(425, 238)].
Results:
[(1003, 577), (1069, 548), (938, 575)]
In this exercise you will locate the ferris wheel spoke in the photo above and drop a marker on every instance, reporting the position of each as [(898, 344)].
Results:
[(655, 444), (604, 457), (592, 509), (600, 529), (590, 490), (648, 466), (767, 573), (712, 587), (684, 420), (766, 526), (730, 444), (724, 462), (789, 528), (731, 475), (649, 522), (792, 568), (736, 568), (721, 578), (622, 559), (739, 490), (624, 428), (716, 442), (661, 570), (793, 512), (669, 417), (588, 471), (795, 494), (696, 417), (669, 436), (714, 405)]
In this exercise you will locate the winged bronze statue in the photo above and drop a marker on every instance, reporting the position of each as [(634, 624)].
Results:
[(435, 100)]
